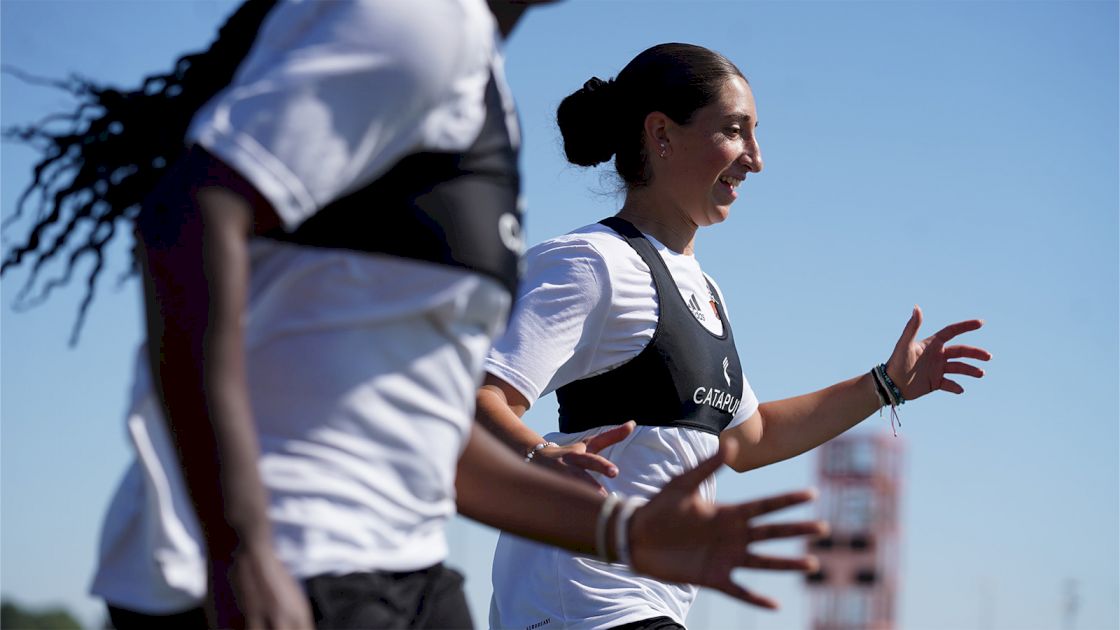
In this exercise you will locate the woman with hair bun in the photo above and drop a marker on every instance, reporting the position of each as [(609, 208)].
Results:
[(619, 320), (326, 219)]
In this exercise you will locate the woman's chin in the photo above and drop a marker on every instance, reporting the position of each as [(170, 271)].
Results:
[(717, 214)]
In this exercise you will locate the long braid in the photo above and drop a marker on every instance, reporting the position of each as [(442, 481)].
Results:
[(95, 173)]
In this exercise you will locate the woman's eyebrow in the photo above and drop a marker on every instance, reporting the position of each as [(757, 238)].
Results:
[(736, 116)]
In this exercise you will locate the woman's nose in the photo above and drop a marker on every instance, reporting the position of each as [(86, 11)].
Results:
[(752, 157)]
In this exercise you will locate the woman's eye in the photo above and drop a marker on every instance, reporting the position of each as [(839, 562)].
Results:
[(734, 131)]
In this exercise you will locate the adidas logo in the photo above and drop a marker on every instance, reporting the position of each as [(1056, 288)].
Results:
[(694, 306)]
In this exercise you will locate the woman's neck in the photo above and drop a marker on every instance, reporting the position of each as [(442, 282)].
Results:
[(654, 216)]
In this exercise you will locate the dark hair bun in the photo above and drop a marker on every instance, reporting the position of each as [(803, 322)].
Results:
[(588, 123)]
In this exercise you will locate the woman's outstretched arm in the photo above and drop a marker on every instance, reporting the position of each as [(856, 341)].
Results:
[(784, 428)]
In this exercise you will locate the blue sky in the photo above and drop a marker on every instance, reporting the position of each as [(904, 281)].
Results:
[(957, 155)]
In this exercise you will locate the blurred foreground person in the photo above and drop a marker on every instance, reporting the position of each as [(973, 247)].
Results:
[(325, 205)]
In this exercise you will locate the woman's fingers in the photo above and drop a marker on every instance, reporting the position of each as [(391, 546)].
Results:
[(611, 436), (952, 330), (967, 352), (951, 386), (758, 507), (690, 480), (592, 462), (788, 530), (583, 477), (806, 564), (565, 468), (738, 592), (954, 367), (910, 331)]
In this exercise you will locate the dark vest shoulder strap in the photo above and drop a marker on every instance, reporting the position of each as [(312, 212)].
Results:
[(662, 277), (622, 226), (685, 377), (457, 209)]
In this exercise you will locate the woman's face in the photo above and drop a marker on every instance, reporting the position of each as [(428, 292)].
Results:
[(709, 158)]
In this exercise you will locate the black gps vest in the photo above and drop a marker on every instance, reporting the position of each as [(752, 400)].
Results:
[(686, 377), (457, 209)]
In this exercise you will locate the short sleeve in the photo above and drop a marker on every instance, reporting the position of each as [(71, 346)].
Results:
[(333, 94), (560, 312)]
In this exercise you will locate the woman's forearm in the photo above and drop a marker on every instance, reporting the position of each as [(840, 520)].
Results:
[(786, 428), (494, 486), (498, 409)]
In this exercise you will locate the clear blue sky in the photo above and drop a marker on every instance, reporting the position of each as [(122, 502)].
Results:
[(957, 155)]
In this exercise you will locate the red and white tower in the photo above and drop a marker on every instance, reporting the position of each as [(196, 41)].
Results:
[(859, 477)]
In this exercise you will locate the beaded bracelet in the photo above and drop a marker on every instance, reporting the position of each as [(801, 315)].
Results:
[(888, 394), (539, 447), (880, 392), (896, 394)]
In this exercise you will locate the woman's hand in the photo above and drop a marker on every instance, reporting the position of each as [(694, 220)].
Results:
[(919, 367), (578, 458), (254, 590), (499, 409), (680, 537)]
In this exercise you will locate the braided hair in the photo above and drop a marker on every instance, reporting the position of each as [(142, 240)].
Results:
[(93, 176)]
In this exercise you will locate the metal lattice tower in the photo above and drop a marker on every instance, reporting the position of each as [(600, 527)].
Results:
[(859, 477)]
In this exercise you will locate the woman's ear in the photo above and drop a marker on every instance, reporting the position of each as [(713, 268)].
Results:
[(656, 131)]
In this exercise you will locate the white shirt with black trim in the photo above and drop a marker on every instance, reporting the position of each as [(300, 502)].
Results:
[(587, 304), (362, 367)]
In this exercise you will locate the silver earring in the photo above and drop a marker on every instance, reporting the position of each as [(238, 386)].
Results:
[(664, 150)]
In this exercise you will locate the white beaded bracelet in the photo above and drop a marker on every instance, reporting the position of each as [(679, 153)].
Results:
[(605, 512), (622, 528), (533, 451)]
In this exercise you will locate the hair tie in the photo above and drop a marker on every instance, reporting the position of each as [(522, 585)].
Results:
[(595, 84)]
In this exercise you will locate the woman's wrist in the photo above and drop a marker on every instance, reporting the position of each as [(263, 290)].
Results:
[(880, 395), (888, 393), (532, 451)]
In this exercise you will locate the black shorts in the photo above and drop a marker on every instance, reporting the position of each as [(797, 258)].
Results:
[(656, 623), (431, 598)]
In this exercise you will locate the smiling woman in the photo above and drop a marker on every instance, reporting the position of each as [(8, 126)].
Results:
[(717, 149), (619, 319), (321, 284)]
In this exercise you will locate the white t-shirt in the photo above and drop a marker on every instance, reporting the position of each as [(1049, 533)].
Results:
[(588, 304), (363, 368), (333, 94)]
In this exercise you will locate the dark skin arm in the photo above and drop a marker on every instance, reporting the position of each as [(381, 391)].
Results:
[(496, 487), (193, 243)]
